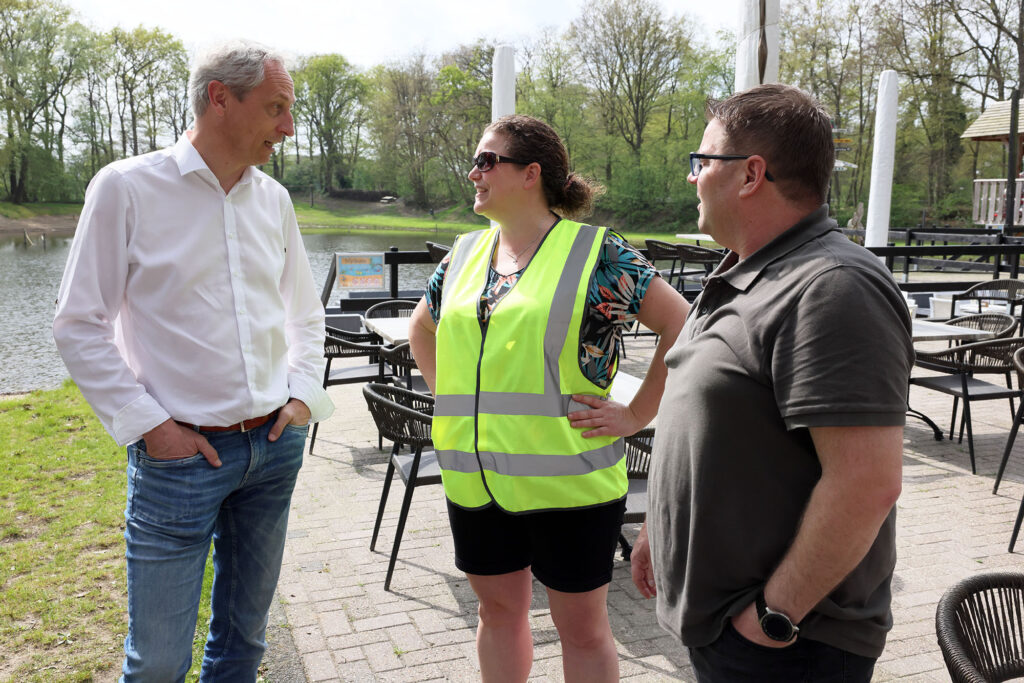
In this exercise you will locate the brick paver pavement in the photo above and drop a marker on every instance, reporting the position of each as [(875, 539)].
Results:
[(345, 627)]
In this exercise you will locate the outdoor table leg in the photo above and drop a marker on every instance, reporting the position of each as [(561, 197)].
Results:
[(911, 412)]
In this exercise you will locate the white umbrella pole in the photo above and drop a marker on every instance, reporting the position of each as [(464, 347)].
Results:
[(503, 83), (882, 161), (757, 45)]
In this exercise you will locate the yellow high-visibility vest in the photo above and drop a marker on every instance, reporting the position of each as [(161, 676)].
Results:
[(500, 427)]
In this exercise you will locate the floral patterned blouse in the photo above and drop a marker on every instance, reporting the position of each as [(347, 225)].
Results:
[(616, 292)]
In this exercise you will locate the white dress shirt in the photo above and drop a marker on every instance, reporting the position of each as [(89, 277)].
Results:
[(180, 301)]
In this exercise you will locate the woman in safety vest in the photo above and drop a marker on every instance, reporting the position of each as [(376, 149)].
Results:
[(518, 337)]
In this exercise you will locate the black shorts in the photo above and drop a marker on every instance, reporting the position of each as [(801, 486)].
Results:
[(568, 550)]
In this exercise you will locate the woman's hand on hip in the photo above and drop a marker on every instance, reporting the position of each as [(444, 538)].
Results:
[(604, 417)]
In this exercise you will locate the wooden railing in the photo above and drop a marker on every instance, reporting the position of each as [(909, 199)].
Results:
[(989, 202), (360, 301)]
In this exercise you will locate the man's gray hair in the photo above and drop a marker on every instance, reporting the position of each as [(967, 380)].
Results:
[(238, 64)]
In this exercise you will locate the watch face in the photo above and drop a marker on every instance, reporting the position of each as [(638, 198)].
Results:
[(777, 627)]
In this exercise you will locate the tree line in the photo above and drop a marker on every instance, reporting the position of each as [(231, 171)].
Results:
[(624, 85)]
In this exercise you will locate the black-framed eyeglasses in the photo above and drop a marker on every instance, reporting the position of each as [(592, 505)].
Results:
[(485, 161), (696, 166)]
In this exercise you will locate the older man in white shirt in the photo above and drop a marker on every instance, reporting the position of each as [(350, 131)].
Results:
[(189, 319)]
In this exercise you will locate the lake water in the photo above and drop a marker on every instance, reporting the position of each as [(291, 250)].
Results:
[(30, 277)]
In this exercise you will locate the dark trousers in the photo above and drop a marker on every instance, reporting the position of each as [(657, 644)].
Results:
[(734, 659)]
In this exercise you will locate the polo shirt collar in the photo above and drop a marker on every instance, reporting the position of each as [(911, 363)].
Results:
[(742, 275), (190, 161)]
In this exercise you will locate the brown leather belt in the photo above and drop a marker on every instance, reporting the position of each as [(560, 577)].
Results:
[(243, 426)]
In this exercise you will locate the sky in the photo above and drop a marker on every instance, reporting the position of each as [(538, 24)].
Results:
[(366, 32)]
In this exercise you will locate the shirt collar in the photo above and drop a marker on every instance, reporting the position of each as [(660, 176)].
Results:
[(189, 161), (742, 274), (186, 156)]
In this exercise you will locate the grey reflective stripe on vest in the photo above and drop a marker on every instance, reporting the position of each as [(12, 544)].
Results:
[(562, 305), (533, 465), (458, 259), (497, 403)]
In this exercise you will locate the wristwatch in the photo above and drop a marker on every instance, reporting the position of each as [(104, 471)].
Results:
[(776, 625)]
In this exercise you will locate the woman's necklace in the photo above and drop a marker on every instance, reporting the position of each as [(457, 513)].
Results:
[(515, 256)]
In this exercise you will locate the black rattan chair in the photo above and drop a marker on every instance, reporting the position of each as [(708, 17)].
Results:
[(1018, 364), (404, 417), (1008, 291), (705, 260), (1000, 325), (394, 308), (340, 343), (403, 364), (638, 463), (960, 366), (663, 251), (980, 627)]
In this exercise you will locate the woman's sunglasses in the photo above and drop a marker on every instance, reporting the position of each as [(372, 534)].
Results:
[(485, 161)]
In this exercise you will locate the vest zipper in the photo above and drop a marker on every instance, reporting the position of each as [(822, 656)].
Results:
[(476, 407)]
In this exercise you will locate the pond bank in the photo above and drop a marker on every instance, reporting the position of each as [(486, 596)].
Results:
[(63, 226)]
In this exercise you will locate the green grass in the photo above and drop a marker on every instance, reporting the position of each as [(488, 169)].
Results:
[(9, 210), (316, 220), (346, 216), (62, 568), (319, 219)]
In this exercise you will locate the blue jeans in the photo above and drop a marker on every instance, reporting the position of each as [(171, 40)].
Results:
[(174, 509), (734, 659)]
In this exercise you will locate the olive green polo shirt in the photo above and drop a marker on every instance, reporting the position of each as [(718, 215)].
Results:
[(811, 330)]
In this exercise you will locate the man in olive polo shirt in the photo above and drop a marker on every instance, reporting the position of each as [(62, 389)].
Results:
[(770, 531)]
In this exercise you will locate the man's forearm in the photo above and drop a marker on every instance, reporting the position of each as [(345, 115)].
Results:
[(861, 473)]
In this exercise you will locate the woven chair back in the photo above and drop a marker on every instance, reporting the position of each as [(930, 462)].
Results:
[(638, 453), (399, 356), (1018, 364), (358, 337), (992, 355), (336, 347), (396, 308), (999, 324), (401, 415), (980, 627), (691, 253), (658, 251)]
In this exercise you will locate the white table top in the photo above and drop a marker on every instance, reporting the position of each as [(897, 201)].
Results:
[(392, 330), (695, 237), (625, 386), (929, 330)]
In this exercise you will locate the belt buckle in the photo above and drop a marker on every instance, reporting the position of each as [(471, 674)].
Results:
[(244, 427)]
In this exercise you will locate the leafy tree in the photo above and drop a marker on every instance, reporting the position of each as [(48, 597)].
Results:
[(329, 96), (139, 57), (401, 125), (459, 110), (929, 49), (92, 129), (36, 67), (632, 53), (550, 87)]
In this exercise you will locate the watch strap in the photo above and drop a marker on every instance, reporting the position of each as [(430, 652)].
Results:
[(760, 605)]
